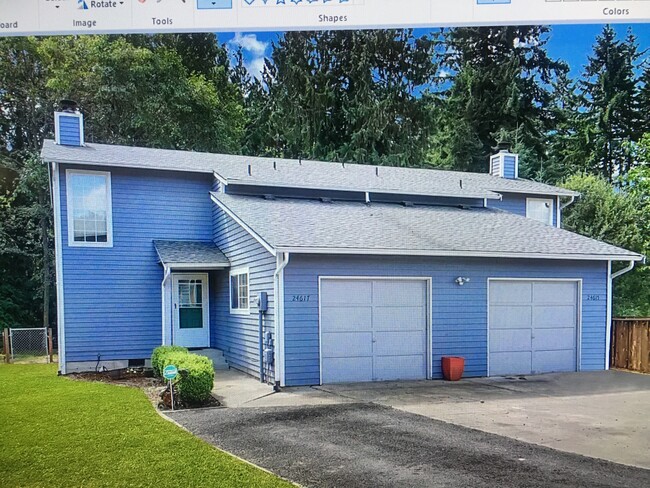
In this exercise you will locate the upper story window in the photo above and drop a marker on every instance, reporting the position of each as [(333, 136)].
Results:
[(540, 209), (89, 208)]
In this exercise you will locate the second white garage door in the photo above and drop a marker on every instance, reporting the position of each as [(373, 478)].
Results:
[(373, 330), (533, 327)]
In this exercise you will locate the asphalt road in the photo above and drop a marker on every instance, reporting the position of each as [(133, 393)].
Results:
[(364, 445)]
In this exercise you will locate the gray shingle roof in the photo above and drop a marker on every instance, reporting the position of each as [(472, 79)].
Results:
[(349, 227), (303, 174), (191, 253)]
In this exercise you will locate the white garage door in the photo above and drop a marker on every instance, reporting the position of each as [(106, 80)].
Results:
[(373, 330), (533, 327)]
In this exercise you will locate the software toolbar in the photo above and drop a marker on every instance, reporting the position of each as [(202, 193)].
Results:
[(43, 17)]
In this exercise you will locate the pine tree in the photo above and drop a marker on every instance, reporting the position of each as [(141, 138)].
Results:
[(494, 79), (345, 96), (610, 103)]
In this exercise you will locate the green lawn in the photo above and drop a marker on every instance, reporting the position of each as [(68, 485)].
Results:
[(59, 432)]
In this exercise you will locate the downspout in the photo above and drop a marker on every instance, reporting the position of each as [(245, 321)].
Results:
[(278, 281), (610, 288), (562, 207), (167, 274), (58, 266)]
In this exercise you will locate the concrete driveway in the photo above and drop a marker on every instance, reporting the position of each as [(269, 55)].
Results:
[(603, 414)]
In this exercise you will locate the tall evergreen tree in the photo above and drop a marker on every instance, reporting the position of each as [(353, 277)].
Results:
[(495, 79), (350, 96), (610, 97)]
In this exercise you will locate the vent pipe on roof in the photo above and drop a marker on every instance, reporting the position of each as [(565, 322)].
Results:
[(275, 165), (69, 124), (250, 170), (504, 163), (377, 171)]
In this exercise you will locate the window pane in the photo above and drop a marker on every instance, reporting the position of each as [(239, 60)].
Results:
[(89, 207), (190, 318), (234, 293)]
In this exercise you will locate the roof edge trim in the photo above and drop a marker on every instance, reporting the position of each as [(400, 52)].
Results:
[(467, 254)]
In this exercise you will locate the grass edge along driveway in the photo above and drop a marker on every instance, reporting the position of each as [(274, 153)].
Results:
[(56, 432)]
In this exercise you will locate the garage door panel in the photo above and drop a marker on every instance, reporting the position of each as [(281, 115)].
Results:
[(533, 326), (399, 318), (391, 368), (347, 318), (510, 292), (510, 316), (380, 336), (554, 315), (346, 344), (400, 343), (554, 361), (554, 339), (504, 363), (510, 340), (555, 292), (346, 292), (347, 370), (402, 293)]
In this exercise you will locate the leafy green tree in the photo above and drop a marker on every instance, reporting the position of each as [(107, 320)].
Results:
[(615, 216), (493, 79), (345, 96), (142, 96)]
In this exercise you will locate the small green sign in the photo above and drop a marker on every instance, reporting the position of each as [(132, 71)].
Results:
[(170, 372)]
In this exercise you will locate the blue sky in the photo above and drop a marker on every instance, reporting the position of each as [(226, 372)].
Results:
[(572, 43)]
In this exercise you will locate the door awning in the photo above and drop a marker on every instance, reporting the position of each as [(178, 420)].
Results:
[(198, 255)]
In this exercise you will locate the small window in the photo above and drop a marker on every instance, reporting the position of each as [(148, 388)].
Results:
[(540, 209), (89, 208), (239, 291)]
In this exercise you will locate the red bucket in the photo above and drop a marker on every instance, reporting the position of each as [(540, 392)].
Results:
[(453, 368)]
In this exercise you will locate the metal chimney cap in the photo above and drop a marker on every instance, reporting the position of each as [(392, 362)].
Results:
[(69, 106), (503, 146)]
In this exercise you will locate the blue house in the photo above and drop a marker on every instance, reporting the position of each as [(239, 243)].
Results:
[(307, 272)]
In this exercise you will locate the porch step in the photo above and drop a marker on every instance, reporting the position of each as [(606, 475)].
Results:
[(217, 357)]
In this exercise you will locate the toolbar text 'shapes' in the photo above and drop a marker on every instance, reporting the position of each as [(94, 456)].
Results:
[(45, 17)]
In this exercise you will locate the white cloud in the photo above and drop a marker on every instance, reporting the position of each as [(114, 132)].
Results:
[(249, 43), (254, 52)]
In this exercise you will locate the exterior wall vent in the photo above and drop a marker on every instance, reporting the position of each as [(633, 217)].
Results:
[(69, 125), (505, 165)]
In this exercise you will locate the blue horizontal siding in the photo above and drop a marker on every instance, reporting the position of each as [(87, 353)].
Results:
[(238, 335), (69, 130), (458, 314), (516, 203), (112, 295)]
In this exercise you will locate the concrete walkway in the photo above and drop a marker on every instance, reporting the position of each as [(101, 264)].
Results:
[(238, 390), (603, 415)]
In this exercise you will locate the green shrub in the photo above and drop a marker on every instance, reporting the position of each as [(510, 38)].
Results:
[(159, 354), (196, 378)]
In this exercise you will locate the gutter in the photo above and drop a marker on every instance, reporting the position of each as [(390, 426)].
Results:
[(565, 205), (282, 261)]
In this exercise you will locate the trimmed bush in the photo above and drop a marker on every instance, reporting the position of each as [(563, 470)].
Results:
[(159, 355), (196, 378)]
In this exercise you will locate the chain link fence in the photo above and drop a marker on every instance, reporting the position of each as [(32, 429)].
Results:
[(29, 344)]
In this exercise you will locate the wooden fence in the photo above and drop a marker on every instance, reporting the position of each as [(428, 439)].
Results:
[(631, 344)]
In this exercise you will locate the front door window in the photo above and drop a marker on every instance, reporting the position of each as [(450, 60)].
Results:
[(190, 304), (191, 316)]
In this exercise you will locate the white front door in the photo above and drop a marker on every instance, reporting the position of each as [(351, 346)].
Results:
[(191, 310)]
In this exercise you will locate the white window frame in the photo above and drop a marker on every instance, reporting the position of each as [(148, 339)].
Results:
[(550, 202), (70, 208), (239, 272)]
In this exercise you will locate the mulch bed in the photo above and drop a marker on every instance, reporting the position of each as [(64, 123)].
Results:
[(143, 378)]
